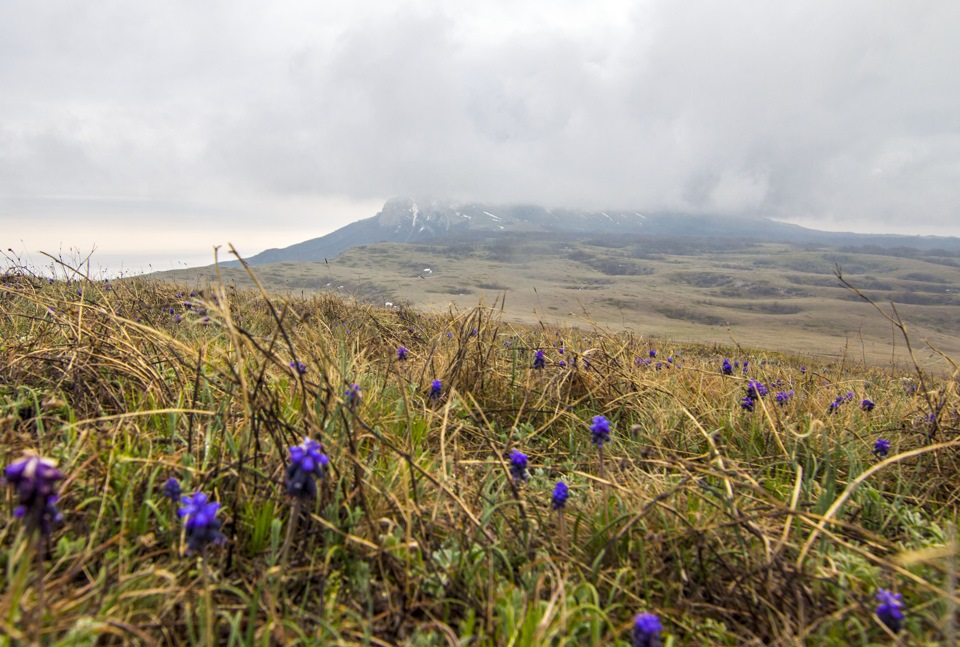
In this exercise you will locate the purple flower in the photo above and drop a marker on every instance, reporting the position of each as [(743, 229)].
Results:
[(562, 364), (646, 630), (756, 390), (881, 448), (653, 353), (402, 353), (867, 404), (538, 361), (436, 389), (201, 523), (307, 463), (600, 430), (560, 494), (803, 369), (747, 403), (35, 481), (783, 397), (172, 489), (890, 609), (837, 402), (518, 465), (352, 394), (299, 367)]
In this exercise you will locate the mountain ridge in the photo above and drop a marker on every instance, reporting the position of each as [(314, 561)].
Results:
[(409, 220)]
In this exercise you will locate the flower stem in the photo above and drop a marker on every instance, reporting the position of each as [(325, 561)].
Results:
[(291, 529), (38, 613), (207, 601)]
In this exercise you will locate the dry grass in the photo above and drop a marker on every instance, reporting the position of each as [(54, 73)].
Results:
[(775, 526)]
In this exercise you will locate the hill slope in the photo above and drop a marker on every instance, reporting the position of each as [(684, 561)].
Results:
[(405, 220)]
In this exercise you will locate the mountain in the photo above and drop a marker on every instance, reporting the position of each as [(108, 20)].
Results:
[(406, 220)]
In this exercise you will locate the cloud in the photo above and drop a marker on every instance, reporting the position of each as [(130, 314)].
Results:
[(838, 114)]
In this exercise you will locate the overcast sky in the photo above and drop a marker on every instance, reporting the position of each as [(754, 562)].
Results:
[(159, 129)]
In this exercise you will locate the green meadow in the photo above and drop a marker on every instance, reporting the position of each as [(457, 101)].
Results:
[(775, 523)]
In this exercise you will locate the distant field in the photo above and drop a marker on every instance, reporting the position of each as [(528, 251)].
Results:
[(759, 295)]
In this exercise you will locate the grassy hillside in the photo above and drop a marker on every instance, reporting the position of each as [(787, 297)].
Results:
[(766, 295), (774, 521)]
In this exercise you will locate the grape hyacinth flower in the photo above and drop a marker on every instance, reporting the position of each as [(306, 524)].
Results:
[(881, 448), (299, 367), (402, 353), (600, 430), (436, 389), (172, 489), (560, 494), (518, 465), (202, 525), (646, 630), (890, 609), (653, 353), (35, 481), (838, 402), (747, 403), (867, 404), (783, 397), (352, 395), (538, 361), (726, 368), (756, 390), (307, 463)]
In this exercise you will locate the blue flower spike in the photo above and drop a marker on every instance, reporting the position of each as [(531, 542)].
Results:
[(600, 430), (881, 448), (538, 360), (201, 523), (307, 464), (890, 609), (35, 481), (518, 465), (646, 630), (172, 489), (560, 494), (352, 395)]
